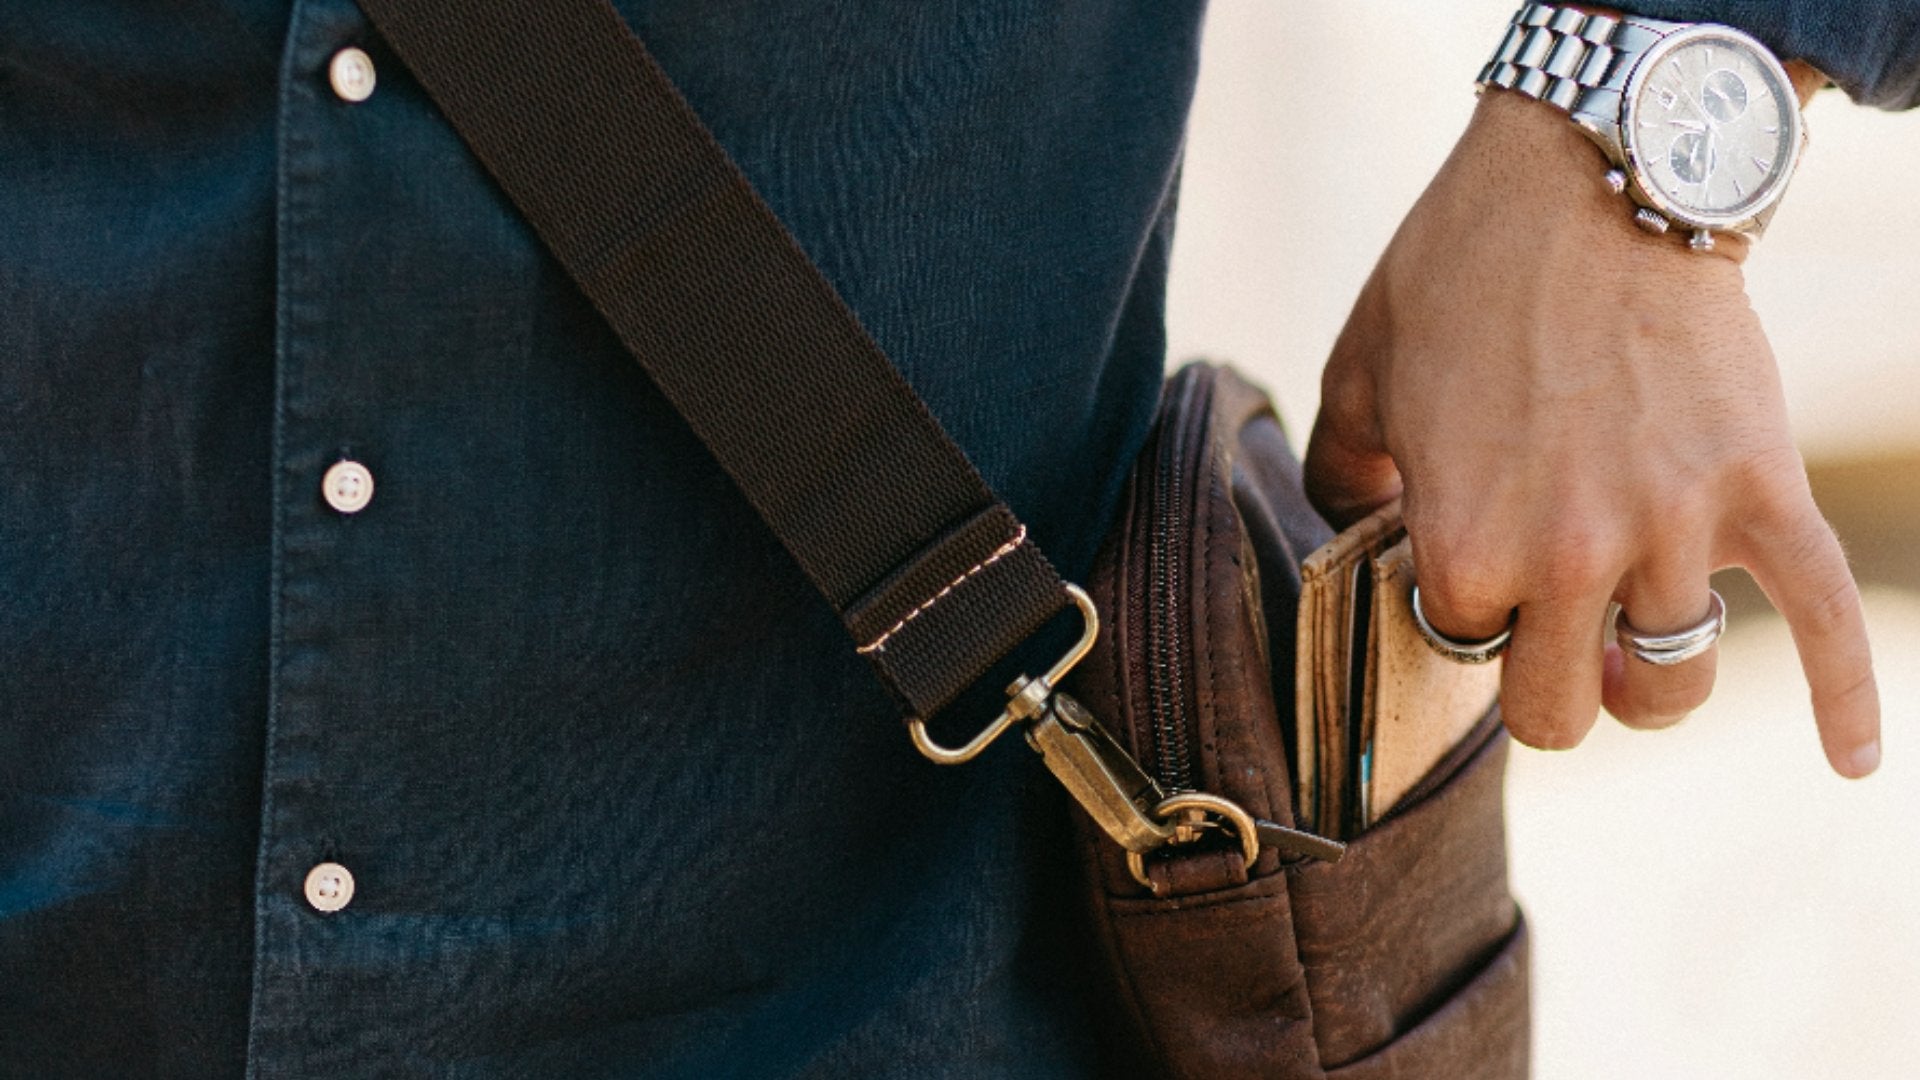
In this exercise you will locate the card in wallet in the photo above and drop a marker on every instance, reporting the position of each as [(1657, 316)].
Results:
[(1375, 709)]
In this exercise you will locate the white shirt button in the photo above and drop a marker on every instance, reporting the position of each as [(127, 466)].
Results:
[(329, 887), (351, 74), (348, 487)]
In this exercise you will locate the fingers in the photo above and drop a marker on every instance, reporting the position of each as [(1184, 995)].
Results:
[(1666, 597), (1550, 691), (1553, 594), (1464, 602), (1550, 685), (1348, 471), (1796, 559), (1558, 672)]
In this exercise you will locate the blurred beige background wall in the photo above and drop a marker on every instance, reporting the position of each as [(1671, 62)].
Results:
[(1708, 902)]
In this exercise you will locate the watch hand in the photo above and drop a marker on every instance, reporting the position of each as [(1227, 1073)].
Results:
[(1701, 109)]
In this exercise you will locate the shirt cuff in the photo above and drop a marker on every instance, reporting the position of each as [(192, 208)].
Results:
[(1870, 48)]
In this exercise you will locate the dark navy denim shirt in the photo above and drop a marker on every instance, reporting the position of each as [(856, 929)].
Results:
[(615, 796)]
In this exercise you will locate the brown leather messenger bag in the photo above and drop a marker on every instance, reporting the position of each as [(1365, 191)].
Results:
[(1287, 871)]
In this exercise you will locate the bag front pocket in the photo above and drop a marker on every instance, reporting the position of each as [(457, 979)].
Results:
[(1391, 934), (1481, 1033)]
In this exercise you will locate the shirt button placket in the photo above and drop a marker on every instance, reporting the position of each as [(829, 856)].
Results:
[(309, 738)]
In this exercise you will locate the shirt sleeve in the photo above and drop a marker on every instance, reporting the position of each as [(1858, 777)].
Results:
[(1870, 48)]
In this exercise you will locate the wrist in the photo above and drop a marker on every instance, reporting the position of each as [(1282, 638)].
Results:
[(1545, 171), (1807, 80)]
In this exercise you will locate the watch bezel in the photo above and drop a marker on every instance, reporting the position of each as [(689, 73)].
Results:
[(1637, 174)]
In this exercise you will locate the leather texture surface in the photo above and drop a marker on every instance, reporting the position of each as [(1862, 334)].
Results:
[(1405, 959)]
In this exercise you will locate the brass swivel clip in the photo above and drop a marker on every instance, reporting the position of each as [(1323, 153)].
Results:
[(1126, 803), (1096, 770)]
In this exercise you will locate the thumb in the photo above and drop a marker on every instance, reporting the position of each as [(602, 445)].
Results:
[(1349, 473)]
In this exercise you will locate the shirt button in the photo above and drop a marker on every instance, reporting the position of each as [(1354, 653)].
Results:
[(348, 487), (351, 74), (329, 887)]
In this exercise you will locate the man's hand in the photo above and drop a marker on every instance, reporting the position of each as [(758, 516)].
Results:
[(1578, 413)]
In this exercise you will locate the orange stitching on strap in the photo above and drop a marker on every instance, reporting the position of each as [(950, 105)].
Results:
[(1001, 552)]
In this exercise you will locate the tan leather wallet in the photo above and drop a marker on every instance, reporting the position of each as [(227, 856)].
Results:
[(1376, 708)]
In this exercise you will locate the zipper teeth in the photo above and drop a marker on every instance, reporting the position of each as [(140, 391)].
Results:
[(1170, 538), (1170, 733)]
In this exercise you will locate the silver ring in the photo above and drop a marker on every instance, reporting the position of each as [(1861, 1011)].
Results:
[(1460, 652), (1666, 650)]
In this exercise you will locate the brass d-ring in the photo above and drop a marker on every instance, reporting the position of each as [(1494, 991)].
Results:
[(1242, 824), (1029, 695)]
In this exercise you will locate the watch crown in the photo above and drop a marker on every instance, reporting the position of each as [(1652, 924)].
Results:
[(1702, 240), (1651, 220), (1616, 181)]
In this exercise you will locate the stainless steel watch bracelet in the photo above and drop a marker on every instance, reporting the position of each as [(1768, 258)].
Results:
[(1570, 59)]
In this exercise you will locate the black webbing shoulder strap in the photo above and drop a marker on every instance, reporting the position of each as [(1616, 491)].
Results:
[(929, 570)]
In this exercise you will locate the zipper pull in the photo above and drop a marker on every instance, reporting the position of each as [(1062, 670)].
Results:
[(1196, 813), (1294, 845)]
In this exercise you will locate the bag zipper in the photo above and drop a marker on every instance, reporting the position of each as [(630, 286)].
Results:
[(1167, 612), (1162, 607)]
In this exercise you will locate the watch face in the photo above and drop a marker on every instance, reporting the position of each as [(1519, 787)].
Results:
[(1712, 126)]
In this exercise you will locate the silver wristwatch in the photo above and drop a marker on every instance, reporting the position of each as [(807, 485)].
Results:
[(1700, 122)]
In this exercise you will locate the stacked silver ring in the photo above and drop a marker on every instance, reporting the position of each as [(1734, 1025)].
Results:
[(1660, 650), (1460, 652), (1666, 650)]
